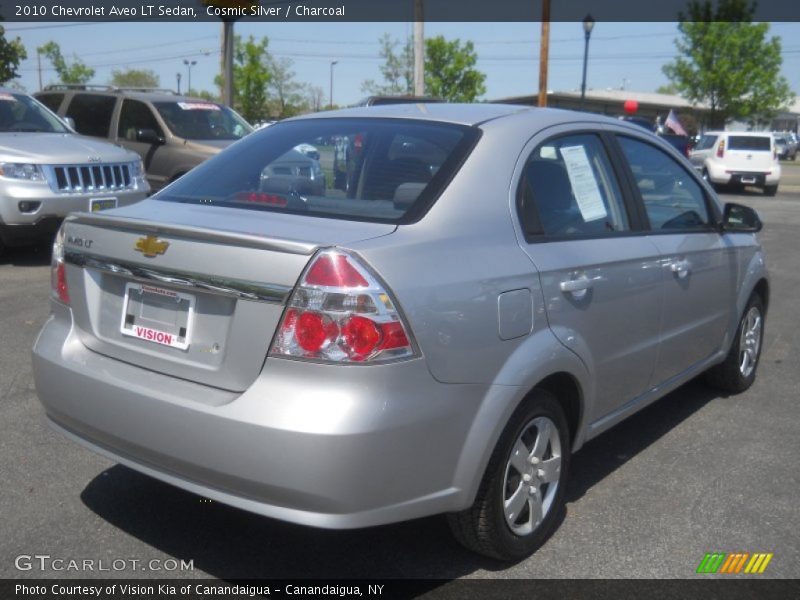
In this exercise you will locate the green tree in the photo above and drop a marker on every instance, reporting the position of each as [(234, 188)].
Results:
[(285, 93), (397, 68), (135, 78), (669, 88), (450, 70), (75, 73), (250, 77), (12, 52), (726, 61)]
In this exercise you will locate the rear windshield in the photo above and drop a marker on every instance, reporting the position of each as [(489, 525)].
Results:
[(201, 120), (748, 142), (382, 170)]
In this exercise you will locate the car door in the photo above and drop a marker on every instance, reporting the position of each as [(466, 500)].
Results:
[(703, 149), (135, 116), (698, 265), (599, 272)]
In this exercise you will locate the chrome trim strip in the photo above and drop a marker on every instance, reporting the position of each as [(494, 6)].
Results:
[(238, 288), (231, 238)]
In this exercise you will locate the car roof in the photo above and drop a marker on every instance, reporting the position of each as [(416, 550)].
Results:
[(462, 114), (153, 96)]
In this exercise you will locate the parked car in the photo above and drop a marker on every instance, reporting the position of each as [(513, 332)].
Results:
[(737, 159), (441, 339), (48, 171), (171, 133), (785, 149)]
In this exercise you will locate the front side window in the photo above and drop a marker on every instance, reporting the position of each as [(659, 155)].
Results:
[(201, 120), (569, 189), (382, 170), (19, 112), (673, 199), (133, 116)]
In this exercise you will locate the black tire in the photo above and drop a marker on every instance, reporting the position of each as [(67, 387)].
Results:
[(728, 375), (483, 528), (770, 190)]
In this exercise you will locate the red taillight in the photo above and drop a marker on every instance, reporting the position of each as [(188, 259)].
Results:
[(333, 270), (341, 313), (58, 274), (721, 149), (62, 291)]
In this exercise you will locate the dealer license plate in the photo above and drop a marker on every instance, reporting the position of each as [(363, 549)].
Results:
[(98, 204), (157, 315)]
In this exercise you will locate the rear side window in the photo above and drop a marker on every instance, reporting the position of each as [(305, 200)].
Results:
[(383, 170), (569, 189), (706, 142), (92, 113), (672, 198), (133, 116), (51, 101), (749, 142)]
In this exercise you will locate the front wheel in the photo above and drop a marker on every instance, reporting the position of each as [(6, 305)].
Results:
[(522, 492), (738, 372)]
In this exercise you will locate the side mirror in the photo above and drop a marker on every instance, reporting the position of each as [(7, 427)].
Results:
[(738, 218), (70, 122), (148, 136)]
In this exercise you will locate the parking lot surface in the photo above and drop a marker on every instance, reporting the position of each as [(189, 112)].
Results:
[(696, 472)]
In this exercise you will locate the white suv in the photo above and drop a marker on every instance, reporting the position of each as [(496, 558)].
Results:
[(738, 158)]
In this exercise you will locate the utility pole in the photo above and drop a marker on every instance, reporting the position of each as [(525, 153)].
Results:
[(227, 62), (419, 49), (39, 67), (544, 49)]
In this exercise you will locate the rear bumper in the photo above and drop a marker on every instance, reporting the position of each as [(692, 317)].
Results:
[(721, 175), (327, 446)]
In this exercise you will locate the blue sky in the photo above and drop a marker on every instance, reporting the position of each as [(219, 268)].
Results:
[(620, 54)]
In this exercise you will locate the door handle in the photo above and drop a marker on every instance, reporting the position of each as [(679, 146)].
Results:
[(680, 268), (576, 285)]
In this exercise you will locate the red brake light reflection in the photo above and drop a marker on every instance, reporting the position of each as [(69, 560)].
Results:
[(334, 271)]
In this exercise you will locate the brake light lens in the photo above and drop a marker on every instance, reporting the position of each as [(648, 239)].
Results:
[(721, 149), (58, 275), (340, 312)]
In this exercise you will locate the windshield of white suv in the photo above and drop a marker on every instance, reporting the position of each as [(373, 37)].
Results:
[(381, 170), (202, 120), (21, 113)]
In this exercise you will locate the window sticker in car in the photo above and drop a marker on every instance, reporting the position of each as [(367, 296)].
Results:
[(584, 184), (7, 97), (198, 106)]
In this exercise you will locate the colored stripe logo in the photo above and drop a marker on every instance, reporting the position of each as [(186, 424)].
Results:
[(735, 562)]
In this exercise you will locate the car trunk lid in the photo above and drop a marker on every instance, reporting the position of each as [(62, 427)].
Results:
[(153, 286)]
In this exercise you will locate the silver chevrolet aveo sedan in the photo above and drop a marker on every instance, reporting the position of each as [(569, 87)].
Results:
[(477, 291)]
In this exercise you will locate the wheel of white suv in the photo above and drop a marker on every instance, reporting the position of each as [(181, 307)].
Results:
[(522, 491), (738, 372), (770, 190)]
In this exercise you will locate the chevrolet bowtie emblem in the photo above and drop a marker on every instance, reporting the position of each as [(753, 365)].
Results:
[(151, 246)]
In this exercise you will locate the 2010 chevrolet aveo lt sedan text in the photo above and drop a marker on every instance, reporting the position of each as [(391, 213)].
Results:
[(484, 289)]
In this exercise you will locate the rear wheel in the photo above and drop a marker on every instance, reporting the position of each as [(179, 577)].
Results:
[(522, 491), (770, 190), (738, 372)]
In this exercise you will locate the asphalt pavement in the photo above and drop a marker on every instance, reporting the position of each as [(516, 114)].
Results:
[(696, 472)]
